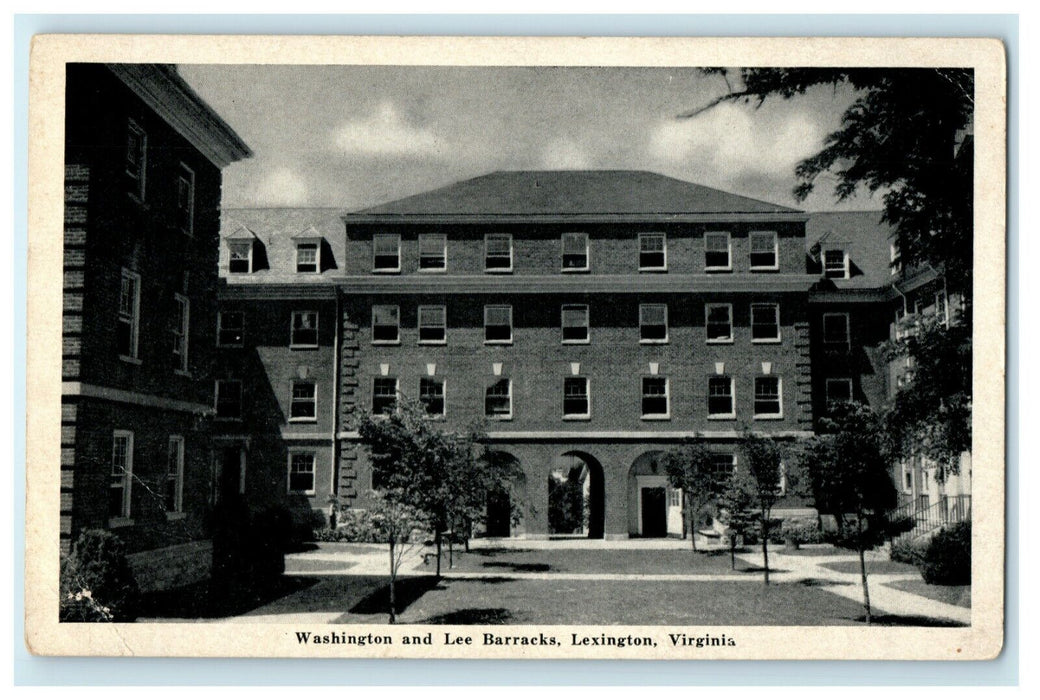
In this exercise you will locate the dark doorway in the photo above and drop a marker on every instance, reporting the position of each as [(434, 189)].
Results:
[(654, 512), (230, 477), (498, 514)]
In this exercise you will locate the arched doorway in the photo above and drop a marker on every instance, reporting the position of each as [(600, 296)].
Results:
[(575, 496), (654, 507), (503, 517)]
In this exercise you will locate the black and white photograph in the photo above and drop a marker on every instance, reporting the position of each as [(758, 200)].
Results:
[(548, 357)]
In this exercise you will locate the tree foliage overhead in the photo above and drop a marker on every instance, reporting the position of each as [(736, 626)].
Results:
[(692, 469), (901, 137)]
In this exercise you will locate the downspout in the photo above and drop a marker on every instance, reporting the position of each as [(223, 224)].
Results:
[(334, 486)]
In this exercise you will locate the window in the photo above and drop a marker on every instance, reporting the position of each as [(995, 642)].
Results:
[(386, 324), (836, 331), (655, 397), (122, 474), (386, 252), (895, 258), (765, 323), (717, 251), (303, 405), (384, 394), (174, 491), (723, 464), (432, 325), (433, 252), (835, 264), (136, 158), (308, 257), (908, 476), (575, 251), (498, 399), (229, 399), (230, 329), (838, 390), (240, 260), (129, 315), (653, 323), (942, 308), (431, 394), (301, 472), (720, 397), (767, 397), (181, 320), (718, 323), (186, 200), (576, 397), (498, 324), (304, 329), (764, 250), (653, 251), (498, 252), (574, 323)]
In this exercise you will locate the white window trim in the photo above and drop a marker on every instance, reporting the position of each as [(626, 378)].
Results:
[(779, 332), (139, 195), (292, 331), (220, 327), (397, 238), (833, 380), (178, 497), (847, 343), (216, 399), (707, 313), (588, 400), (776, 251), (563, 252), (292, 401), (185, 335), (845, 263), (397, 395), (498, 270), (667, 415), (729, 252), (249, 255), (135, 327), (124, 518), (503, 341), (733, 400), (664, 238), (588, 325), (509, 383), (780, 397), (190, 231), (372, 328), (419, 324), (444, 253), (667, 328), (314, 472), (317, 256)]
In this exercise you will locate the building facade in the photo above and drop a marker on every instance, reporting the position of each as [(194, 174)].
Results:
[(143, 159)]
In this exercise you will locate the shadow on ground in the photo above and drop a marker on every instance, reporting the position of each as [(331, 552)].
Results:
[(532, 568), (472, 616), (406, 592), (209, 600), (908, 621)]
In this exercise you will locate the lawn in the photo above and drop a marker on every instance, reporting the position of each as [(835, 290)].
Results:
[(880, 566), (953, 595), (590, 561)]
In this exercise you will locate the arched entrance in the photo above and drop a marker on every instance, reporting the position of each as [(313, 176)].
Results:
[(503, 516), (575, 496), (654, 507)]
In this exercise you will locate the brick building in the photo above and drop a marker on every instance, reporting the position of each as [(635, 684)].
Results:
[(143, 159)]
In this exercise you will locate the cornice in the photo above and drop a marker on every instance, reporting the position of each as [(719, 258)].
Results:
[(565, 218)]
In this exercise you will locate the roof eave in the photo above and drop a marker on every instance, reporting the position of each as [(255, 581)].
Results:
[(648, 217)]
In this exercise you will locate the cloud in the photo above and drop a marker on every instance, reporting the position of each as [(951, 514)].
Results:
[(732, 142), (282, 187), (564, 154), (386, 133)]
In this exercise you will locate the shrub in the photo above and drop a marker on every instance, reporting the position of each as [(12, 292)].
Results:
[(801, 531), (947, 559), (906, 551), (352, 526), (97, 583)]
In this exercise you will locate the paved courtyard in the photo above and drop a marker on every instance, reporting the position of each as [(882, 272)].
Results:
[(600, 582)]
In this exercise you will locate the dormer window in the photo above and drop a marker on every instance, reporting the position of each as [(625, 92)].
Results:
[(308, 256), (240, 260), (835, 263)]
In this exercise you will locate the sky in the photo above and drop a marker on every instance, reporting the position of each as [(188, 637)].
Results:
[(354, 136)]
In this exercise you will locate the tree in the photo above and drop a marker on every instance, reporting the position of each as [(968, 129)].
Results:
[(737, 511), (692, 469), (395, 520), (849, 475), (760, 477)]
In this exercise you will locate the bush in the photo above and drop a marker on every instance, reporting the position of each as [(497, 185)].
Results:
[(906, 551), (352, 526), (947, 559), (97, 583), (801, 531)]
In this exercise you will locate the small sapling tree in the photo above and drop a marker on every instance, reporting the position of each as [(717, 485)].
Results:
[(737, 511), (760, 475), (693, 469)]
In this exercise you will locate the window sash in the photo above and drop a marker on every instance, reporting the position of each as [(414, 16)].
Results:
[(717, 251), (652, 251), (307, 257), (129, 314), (431, 395), (764, 249), (230, 328), (718, 324), (386, 323), (384, 394), (574, 323), (655, 396), (498, 251), (575, 396), (575, 251), (240, 254), (765, 321), (304, 400), (137, 156), (498, 399), (121, 474), (432, 324), (174, 492), (180, 333), (386, 251), (767, 396), (835, 263), (723, 465), (301, 472), (433, 251), (720, 396), (498, 323), (836, 329), (653, 322), (186, 199), (304, 329)]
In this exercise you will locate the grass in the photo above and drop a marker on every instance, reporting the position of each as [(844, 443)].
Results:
[(952, 595), (878, 566), (598, 561)]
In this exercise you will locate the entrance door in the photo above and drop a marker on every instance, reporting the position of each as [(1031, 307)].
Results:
[(498, 512), (230, 478), (654, 512)]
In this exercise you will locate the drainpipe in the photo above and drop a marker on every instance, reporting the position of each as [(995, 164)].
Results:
[(334, 486)]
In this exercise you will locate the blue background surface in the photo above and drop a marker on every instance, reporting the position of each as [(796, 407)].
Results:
[(31, 670)]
